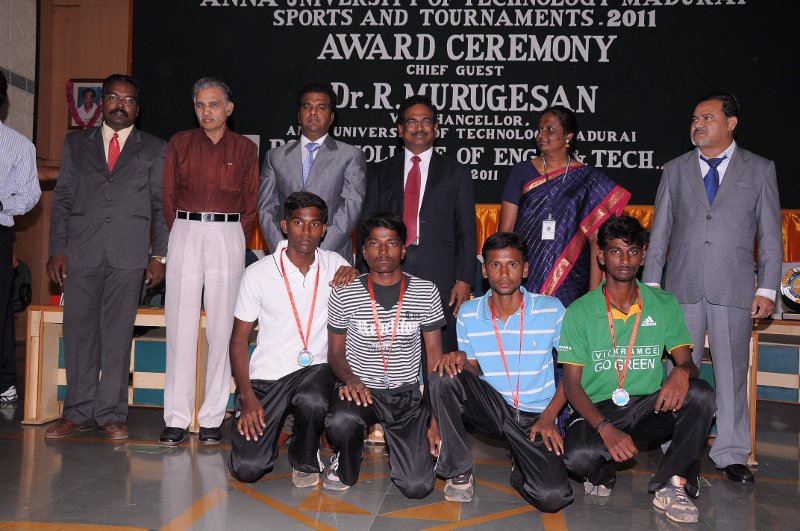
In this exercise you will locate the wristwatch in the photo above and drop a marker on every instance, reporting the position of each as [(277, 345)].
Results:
[(161, 259)]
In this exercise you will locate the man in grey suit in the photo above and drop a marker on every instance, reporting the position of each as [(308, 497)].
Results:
[(106, 210), (712, 205), (316, 163)]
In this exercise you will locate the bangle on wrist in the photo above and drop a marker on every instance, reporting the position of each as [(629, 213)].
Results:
[(601, 424)]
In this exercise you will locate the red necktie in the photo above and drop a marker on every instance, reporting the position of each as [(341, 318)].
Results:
[(411, 200), (113, 152)]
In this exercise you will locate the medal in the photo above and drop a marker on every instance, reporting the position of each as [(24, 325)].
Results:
[(305, 358), (514, 394), (620, 396), (385, 356)]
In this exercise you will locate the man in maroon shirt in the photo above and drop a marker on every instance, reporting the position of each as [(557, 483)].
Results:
[(210, 194)]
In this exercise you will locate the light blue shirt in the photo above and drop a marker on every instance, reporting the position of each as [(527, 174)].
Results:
[(19, 179), (533, 364)]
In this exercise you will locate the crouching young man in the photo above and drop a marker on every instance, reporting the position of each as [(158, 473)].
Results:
[(287, 292), (612, 343), (502, 382), (375, 329)]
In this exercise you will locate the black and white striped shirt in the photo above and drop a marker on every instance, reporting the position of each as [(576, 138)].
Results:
[(350, 314)]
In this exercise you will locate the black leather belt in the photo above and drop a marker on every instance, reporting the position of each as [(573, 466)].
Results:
[(206, 216)]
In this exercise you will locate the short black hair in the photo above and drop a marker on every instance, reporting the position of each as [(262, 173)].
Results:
[(417, 99), (3, 88), (120, 78), (503, 240), (89, 89), (625, 228), (305, 199), (730, 104), (568, 121), (383, 220), (317, 88)]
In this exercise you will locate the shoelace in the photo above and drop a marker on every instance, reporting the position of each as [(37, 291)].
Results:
[(463, 479), (680, 494)]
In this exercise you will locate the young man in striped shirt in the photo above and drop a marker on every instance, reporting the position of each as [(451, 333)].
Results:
[(375, 328), (502, 382)]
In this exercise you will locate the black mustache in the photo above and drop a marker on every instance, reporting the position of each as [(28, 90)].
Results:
[(120, 111)]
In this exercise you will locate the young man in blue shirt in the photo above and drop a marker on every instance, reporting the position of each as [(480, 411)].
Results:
[(502, 382)]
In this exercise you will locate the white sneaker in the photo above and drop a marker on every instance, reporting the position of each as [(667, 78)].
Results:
[(9, 395), (304, 479), (331, 480), (596, 490), (459, 489), (673, 500)]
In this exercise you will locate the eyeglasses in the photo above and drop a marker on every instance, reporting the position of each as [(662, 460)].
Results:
[(113, 99), (426, 122)]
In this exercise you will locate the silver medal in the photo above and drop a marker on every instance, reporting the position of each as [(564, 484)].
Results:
[(620, 397), (305, 358), (386, 380)]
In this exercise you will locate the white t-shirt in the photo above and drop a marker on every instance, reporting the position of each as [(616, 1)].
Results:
[(263, 296)]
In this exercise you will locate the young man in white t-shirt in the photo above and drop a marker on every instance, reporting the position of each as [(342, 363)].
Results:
[(375, 330), (287, 291)]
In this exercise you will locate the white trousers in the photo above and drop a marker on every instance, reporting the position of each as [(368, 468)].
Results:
[(209, 255)]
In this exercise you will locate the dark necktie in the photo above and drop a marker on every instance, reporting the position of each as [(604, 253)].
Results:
[(113, 151), (711, 180), (411, 200)]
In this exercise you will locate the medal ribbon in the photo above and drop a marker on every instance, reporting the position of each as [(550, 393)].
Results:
[(621, 377), (303, 337), (385, 357), (514, 394)]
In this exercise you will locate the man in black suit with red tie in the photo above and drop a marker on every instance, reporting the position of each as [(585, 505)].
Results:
[(434, 196)]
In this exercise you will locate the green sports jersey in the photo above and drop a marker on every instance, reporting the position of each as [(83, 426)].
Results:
[(586, 341)]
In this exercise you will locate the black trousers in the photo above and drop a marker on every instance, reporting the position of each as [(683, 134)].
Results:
[(8, 357), (404, 414), (538, 475), (586, 457), (305, 393)]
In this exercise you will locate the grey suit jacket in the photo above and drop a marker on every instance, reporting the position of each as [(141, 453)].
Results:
[(338, 176), (98, 212), (707, 250)]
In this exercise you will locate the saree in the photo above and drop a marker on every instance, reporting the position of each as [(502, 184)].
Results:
[(579, 199)]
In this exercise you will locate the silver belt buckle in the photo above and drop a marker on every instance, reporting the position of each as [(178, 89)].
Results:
[(207, 216)]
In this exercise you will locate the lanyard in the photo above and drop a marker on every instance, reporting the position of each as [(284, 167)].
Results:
[(621, 377), (307, 336), (514, 394), (385, 356)]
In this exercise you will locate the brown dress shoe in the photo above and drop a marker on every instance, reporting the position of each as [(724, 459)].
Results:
[(115, 430), (64, 428)]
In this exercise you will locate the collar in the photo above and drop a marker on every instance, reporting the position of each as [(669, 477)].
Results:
[(425, 156), (599, 301), (485, 313), (108, 133), (728, 152), (319, 259), (304, 141)]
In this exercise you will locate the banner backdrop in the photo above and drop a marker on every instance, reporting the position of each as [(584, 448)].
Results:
[(631, 69)]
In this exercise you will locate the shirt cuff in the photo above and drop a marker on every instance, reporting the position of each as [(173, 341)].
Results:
[(768, 293)]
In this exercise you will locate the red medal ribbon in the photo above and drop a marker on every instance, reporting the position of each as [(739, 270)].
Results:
[(514, 394), (303, 337), (621, 377), (385, 357)]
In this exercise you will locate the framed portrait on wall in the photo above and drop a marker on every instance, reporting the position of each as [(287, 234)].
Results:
[(83, 102)]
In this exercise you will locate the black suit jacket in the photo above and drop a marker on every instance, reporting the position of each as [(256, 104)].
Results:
[(447, 247), (97, 212)]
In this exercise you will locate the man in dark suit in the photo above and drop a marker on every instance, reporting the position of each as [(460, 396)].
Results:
[(106, 211), (713, 204), (317, 163), (434, 195)]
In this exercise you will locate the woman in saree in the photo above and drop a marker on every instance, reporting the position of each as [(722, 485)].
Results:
[(557, 204)]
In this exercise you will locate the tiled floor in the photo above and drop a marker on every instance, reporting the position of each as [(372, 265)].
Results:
[(88, 482)]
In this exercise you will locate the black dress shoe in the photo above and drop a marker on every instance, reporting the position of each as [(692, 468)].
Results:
[(210, 436), (739, 473), (172, 436)]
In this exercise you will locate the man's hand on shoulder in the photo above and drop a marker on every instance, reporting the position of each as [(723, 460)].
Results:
[(343, 276)]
